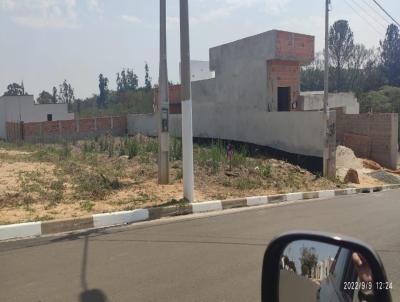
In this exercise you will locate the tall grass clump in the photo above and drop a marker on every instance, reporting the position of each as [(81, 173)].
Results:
[(175, 148)]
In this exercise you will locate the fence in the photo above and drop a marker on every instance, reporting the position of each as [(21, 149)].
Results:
[(53, 131), (373, 136)]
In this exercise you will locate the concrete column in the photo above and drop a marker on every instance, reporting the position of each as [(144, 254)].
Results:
[(330, 143), (163, 102), (186, 93)]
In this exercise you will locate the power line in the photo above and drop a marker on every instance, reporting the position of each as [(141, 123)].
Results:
[(376, 11), (367, 13), (379, 33), (384, 10)]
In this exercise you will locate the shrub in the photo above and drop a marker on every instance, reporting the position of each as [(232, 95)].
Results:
[(65, 151), (132, 147), (87, 205), (176, 148), (151, 146), (179, 174), (265, 170)]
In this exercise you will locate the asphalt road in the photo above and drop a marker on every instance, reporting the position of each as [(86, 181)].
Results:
[(198, 258)]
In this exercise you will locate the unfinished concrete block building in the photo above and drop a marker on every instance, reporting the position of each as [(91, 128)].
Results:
[(255, 98), (262, 71)]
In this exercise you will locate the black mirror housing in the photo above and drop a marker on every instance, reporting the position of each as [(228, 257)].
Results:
[(272, 256)]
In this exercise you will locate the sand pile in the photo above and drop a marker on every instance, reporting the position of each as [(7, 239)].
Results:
[(345, 158)]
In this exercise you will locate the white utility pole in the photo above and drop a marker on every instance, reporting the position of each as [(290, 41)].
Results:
[(187, 130), (326, 82), (163, 102)]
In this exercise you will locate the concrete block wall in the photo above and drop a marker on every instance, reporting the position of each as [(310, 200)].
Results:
[(380, 128), (313, 100), (293, 132), (145, 124)]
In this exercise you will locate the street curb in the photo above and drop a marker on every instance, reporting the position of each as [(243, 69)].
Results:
[(34, 229)]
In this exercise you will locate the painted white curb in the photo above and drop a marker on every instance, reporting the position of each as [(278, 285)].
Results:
[(18, 230), (199, 207), (326, 194), (107, 219), (294, 196), (256, 200), (351, 191)]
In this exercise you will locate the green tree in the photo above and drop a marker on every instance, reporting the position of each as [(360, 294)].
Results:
[(15, 89), (66, 94), (356, 67), (308, 260), (54, 97), (103, 87), (386, 99), (341, 47), (312, 76), (147, 78), (44, 98), (127, 80), (390, 55)]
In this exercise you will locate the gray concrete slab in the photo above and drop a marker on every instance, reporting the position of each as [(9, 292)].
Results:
[(198, 258)]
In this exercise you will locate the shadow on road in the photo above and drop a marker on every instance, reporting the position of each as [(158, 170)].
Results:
[(89, 295)]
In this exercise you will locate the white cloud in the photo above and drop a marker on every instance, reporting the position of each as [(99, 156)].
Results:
[(94, 6), (276, 6), (131, 19), (8, 5), (42, 13), (172, 21), (39, 23), (225, 8)]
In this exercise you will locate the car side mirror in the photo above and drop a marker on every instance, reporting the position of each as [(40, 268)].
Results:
[(313, 266)]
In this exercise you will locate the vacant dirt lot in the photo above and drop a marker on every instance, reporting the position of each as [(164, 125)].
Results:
[(43, 182)]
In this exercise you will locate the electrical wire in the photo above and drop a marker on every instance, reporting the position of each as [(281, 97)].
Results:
[(384, 10), (369, 24), (367, 13), (384, 17)]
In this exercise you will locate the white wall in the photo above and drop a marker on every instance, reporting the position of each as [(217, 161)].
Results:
[(23, 108), (313, 100), (199, 70), (293, 132)]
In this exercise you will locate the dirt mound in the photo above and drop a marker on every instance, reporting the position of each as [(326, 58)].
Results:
[(352, 177), (370, 164), (347, 161), (345, 158)]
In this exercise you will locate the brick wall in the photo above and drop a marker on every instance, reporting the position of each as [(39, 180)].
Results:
[(68, 127), (175, 99), (285, 74), (103, 123), (53, 131), (294, 46), (86, 125), (374, 136), (14, 131)]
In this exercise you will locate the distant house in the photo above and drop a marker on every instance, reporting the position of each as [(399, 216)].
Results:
[(24, 109)]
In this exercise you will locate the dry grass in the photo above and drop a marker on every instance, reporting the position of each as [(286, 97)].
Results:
[(42, 182)]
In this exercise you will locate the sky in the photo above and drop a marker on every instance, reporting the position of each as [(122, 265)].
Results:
[(44, 42)]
